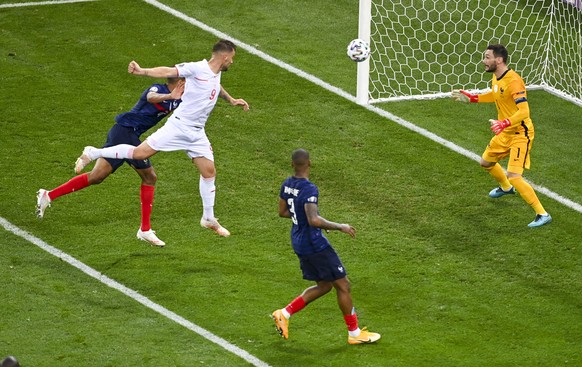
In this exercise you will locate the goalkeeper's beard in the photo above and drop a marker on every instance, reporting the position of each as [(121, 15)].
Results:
[(490, 69)]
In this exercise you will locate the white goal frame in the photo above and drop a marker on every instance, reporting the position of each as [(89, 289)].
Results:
[(549, 77)]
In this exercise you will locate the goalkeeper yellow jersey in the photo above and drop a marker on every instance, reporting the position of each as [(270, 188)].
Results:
[(510, 97)]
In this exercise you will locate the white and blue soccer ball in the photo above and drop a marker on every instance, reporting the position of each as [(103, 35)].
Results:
[(358, 50)]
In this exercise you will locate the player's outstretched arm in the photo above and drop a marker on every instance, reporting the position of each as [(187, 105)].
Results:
[(157, 72), (316, 220), (233, 101)]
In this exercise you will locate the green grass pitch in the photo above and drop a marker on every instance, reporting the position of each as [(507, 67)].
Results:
[(446, 275)]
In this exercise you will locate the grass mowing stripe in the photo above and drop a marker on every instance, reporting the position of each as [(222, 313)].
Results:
[(16, 5), (132, 294), (409, 125)]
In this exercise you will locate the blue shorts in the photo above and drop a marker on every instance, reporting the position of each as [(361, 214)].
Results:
[(324, 265), (124, 135)]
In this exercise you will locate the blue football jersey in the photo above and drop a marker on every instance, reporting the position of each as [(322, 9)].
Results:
[(305, 239), (144, 114)]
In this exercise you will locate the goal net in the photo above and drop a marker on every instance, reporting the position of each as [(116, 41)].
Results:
[(424, 49)]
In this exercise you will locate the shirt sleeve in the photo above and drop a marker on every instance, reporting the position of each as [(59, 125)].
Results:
[(155, 88), (311, 195), (186, 69), (518, 93), (486, 97)]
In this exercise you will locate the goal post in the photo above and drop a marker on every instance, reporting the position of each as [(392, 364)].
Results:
[(423, 49), (363, 79)]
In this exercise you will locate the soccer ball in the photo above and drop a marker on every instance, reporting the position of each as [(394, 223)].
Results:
[(358, 50)]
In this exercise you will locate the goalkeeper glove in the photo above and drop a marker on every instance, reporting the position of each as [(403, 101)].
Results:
[(497, 126), (464, 96)]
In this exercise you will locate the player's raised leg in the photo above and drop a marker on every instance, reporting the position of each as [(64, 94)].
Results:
[(121, 151), (97, 175)]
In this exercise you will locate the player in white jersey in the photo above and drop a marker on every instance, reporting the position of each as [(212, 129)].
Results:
[(184, 130)]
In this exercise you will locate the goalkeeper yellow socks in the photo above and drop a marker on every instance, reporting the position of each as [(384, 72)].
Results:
[(528, 194), (497, 172)]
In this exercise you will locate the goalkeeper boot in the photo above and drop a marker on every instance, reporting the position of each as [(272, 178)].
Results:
[(42, 202), (84, 159), (215, 226), (150, 236), (499, 192), (365, 337), (282, 323), (540, 220)]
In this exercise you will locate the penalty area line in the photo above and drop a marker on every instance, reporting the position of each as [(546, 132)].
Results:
[(340, 92), (132, 294), (17, 5)]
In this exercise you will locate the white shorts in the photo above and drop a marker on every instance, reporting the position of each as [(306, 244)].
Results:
[(175, 136)]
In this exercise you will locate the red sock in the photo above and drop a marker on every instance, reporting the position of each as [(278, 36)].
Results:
[(74, 184), (296, 305), (147, 199), (351, 321)]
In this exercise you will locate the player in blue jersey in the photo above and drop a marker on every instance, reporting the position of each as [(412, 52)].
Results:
[(319, 262), (155, 103)]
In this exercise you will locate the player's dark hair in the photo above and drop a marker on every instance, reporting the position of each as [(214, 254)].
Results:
[(173, 80), (224, 46), (300, 157), (499, 51)]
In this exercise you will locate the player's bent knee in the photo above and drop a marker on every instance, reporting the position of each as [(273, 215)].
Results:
[(342, 285), (485, 164), (208, 172), (324, 287)]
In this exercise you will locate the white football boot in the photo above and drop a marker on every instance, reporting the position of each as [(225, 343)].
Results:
[(84, 159), (42, 202), (150, 236), (215, 226)]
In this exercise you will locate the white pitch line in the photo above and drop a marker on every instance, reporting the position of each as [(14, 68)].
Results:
[(17, 5), (132, 294), (340, 92)]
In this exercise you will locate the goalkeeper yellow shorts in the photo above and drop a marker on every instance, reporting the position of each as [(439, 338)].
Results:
[(515, 145)]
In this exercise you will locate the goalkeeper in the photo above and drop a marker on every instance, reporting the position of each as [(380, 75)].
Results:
[(514, 131)]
